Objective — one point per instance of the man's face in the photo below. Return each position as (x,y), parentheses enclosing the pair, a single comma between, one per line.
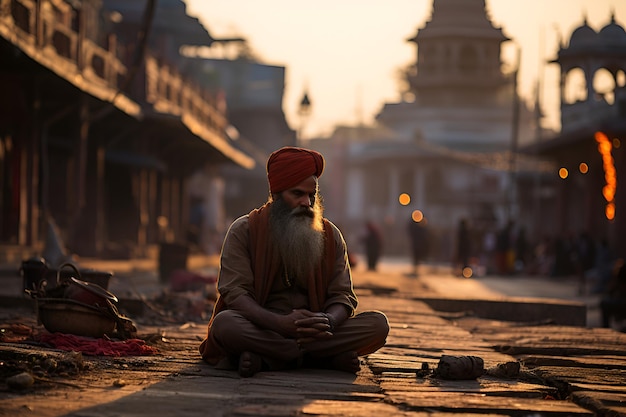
(302,195)
(297,224)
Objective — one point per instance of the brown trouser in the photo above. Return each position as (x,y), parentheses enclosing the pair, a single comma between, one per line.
(364,333)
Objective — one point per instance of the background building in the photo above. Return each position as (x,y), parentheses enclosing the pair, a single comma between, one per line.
(450,145)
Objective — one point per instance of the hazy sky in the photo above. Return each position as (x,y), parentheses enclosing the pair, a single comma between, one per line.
(348,52)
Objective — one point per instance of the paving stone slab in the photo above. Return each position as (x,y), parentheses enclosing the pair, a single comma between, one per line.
(437,401)
(391,383)
(611,362)
(602,403)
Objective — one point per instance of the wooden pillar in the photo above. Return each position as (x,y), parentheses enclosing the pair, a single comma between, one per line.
(144,208)
(34,202)
(152,235)
(165,214)
(81,155)
(98,203)
(175,191)
(76,225)
(22,231)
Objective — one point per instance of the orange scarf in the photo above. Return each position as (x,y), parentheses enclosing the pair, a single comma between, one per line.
(265,264)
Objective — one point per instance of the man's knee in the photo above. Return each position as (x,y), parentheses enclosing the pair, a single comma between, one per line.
(226,324)
(376,328)
(226,317)
(382,324)
(378,317)
(376,322)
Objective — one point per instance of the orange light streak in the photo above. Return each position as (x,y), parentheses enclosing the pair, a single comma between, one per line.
(610,176)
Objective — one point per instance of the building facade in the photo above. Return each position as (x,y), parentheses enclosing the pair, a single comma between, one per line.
(100,130)
(589,150)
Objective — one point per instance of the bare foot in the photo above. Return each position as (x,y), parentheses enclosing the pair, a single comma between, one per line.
(249,364)
(347,362)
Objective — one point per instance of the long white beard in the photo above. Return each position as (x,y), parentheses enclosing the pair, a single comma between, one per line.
(298,235)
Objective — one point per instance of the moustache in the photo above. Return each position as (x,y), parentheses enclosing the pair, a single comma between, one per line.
(303,211)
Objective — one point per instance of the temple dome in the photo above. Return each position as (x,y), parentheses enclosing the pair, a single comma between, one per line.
(612,34)
(583,36)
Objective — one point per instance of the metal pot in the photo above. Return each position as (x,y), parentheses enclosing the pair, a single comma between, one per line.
(73,317)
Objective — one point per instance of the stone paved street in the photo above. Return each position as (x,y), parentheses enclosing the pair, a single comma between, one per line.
(564,369)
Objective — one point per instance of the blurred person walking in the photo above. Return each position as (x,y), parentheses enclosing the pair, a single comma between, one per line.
(373,242)
(604,262)
(419,242)
(521,251)
(463,246)
(585,259)
(613,302)
(504,249)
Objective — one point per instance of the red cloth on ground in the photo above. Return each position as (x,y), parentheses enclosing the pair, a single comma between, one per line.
(289,166)
(96,347)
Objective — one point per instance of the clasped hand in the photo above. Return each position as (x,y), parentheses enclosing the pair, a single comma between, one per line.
(309,326)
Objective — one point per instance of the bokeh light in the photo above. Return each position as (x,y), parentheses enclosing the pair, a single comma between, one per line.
(467,272)
(417,216)
(563,173)
(404,199)
(583,168)
(609,211)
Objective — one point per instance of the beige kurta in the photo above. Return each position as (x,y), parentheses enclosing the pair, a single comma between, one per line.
(236,277)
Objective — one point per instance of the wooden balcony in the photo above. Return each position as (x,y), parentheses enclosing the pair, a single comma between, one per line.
(168,92)
(202,113)
(48,31)
(45,32)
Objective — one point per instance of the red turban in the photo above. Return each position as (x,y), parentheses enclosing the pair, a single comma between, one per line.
(289,166)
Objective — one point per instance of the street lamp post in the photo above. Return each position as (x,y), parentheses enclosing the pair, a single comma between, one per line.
(303,111)
(512,198)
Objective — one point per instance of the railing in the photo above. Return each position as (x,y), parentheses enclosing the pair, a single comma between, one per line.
(168,92)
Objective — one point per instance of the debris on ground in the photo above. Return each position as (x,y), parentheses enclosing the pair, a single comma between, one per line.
(179,307)
(22,359)
(508,370)
(460,367)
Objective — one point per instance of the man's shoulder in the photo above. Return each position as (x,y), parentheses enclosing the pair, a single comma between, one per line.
(240,223)
(331,224)
(336,231)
